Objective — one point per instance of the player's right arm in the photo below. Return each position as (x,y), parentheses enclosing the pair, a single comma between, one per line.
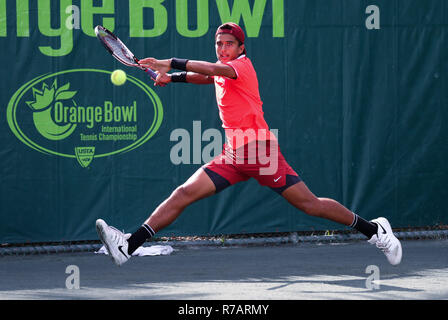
(196,66)
(199,72)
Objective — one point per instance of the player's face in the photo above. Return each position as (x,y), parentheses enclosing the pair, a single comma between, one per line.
(227,47)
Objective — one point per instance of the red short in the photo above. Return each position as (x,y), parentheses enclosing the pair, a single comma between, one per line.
(261,160)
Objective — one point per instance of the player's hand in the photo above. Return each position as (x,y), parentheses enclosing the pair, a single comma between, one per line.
(162,79)
(163,66)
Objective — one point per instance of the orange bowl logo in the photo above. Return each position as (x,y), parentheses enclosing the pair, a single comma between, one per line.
(79,114)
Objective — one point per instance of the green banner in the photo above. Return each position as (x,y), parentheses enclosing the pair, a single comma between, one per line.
(356,90)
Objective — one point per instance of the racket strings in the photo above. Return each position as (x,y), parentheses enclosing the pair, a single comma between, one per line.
(118,49)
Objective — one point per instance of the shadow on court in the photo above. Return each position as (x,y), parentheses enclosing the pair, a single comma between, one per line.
(280,272)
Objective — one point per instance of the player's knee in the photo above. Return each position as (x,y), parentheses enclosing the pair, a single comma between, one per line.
(183,195)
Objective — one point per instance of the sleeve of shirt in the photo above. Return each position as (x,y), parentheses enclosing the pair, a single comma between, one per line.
(239,66)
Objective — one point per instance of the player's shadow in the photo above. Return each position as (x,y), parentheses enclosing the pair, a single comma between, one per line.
(352,283)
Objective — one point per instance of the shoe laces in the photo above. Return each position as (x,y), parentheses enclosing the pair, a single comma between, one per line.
(384,243)
(112,227)
(117,234)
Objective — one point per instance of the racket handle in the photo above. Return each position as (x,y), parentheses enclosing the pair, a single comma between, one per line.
(151,73)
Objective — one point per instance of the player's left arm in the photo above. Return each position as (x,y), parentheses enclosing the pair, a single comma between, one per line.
(201,67)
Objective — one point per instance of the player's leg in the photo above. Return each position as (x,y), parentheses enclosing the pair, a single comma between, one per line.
(378,231)
(212,178)
(208,180)
(303,199)
(198,186)
(286,182)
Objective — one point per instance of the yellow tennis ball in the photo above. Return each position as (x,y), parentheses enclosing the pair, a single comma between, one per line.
(118,77)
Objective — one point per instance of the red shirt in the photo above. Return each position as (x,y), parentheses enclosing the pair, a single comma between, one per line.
(240,106)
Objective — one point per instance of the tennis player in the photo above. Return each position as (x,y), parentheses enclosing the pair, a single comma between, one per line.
(251,150)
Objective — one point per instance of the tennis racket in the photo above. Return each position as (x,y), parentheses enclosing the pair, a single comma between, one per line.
(119,51)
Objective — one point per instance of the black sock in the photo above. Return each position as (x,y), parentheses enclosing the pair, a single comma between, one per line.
(139,237)
(365,227)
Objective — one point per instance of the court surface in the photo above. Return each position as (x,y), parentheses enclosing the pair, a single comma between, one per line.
(277,272)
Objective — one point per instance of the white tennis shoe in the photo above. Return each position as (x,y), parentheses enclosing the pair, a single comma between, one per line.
(115,242)
(387,241)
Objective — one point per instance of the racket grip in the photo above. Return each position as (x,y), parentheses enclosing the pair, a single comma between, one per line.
(151,73)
